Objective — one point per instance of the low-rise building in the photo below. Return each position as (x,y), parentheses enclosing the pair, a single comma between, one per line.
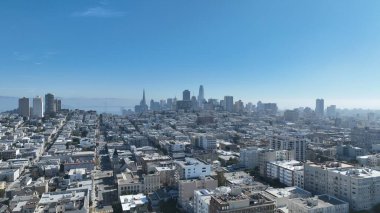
(237,202)
(9,175)
(281,196)
(319,204)
(193,168)
(285,172)
(186,188)
(65,201)
(202,199)
(134,203)
(76,174)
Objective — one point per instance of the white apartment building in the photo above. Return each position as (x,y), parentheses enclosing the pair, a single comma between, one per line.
(173,145)
(134,203)
(268,155)
(193,168)
(359,187)
(285,171)
(299,178)
(249,157)
(202,199)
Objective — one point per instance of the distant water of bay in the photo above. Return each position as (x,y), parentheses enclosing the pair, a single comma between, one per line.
(101,105)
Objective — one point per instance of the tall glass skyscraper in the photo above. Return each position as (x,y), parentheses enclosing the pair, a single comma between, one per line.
(201,95)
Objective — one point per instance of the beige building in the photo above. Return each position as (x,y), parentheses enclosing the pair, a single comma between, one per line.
(130,183)
(167,175)
(186,188)
(146,159)
(150,182)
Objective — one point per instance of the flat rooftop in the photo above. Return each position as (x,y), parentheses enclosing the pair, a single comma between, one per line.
(360,173)
(288,192)
(129,202)
(320,201)
(289,164)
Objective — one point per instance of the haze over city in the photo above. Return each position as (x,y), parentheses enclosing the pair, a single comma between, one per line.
(288,52)
(179,106)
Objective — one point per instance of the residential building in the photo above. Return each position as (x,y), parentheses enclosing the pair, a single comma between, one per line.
(64,201)
(186,188)
(237,202)
(296,142)
(23,107)
(193,168)
(358,186)
(284,171)
(50,107)
(207,142)
(349,152)
(318,204)
(202,199)
(249,157)
(268,155)
(134,203)
(281,196)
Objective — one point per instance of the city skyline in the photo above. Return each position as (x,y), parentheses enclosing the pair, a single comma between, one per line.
(251,50)
(128,103)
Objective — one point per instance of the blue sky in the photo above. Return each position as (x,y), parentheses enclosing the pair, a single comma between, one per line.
(289,52)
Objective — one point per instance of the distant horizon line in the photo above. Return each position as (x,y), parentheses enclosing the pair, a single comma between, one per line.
(135,101)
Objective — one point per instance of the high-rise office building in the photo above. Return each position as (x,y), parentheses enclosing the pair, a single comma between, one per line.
(143,101)
(23,107)
(143,107)
(291,115)
(331,111)
(169,103)
(201,95)
(239,106)
(38,109)
(50,107)
(186,95)
(58,105)
(319,107)
(194,102)
(229,103)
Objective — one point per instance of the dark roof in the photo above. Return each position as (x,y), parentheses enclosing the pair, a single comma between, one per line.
(115,153)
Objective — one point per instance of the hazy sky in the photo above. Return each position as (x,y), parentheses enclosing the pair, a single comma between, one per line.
(289,52)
